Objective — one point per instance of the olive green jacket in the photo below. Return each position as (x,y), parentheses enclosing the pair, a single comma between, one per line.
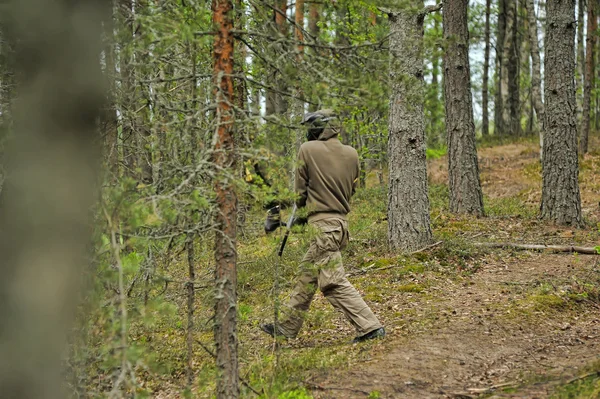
(326,177)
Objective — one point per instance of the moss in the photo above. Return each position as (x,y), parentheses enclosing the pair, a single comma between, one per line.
(544,302)
(410,288)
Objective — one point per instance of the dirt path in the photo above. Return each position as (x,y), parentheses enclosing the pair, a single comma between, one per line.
(493,334)
(477,345)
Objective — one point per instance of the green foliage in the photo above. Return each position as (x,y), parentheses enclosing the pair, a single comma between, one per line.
(436,153)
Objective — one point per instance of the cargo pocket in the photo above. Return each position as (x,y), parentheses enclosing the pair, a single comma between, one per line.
(331,235)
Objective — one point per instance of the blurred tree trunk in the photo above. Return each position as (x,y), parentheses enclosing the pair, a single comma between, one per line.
(536,75)
(499,104)
(408,210)
(485,124)
(561,201)
(463,168)
(226,201)
(588,76)
(50,188)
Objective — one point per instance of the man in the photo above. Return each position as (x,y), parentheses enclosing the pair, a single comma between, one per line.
(325,180)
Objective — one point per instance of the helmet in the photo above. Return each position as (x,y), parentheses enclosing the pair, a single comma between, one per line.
(317,121)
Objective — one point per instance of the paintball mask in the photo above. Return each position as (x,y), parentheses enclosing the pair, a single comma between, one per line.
(316,122)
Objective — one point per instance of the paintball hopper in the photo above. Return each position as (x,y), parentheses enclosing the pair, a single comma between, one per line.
(273,221)
(316,122)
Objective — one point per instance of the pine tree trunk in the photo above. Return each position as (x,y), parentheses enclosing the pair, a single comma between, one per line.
(299,35)
(226,201)
(561,201)
(109,117)
(536,75)
(485,124)
(408,207)
(580,58)
(510,73)
(281,102)
(190,311)
(499,128)
(463,168)
(588,77)
(313,29)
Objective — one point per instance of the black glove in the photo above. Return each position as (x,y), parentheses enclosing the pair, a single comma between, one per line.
(273,221)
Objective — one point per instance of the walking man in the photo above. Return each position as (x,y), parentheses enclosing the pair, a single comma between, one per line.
(325,181)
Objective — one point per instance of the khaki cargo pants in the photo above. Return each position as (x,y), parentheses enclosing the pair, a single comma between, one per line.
(322,267)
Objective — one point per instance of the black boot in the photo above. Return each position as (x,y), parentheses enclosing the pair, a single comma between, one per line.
(378,333)
(269,328)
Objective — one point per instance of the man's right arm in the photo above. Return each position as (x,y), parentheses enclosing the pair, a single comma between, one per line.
(301,183)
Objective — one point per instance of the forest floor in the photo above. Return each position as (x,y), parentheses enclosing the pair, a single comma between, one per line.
(463,320)
(519,325)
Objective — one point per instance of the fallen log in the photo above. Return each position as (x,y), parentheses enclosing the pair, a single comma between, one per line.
(541,247)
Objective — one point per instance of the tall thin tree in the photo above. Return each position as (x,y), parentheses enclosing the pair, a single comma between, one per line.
(463,167)
(588,75)
(580,56)
(500,69)
(536,74)
(226,202)
(485,123)
(561,200)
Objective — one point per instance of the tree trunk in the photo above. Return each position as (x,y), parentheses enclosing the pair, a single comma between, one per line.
(190,311)
(588,77)
(299,104)
(109,117)
(580,58)
(510,73)
(281,102)
(499,128)
(536,75)
(226,201)
(485,124)
(313,29)
(408,207)
(463,168)
(299,20)
(561,201)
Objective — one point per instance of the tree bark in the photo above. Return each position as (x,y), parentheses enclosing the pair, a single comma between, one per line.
(510,73)
(408,202)
(499,105)
(580,58)
(588,76)
(463,168)
(561,201)
(536,74)
(485,123)
(109,117)
(226,202)
(299,20)
(281,102)
(314,16)
(190,311)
